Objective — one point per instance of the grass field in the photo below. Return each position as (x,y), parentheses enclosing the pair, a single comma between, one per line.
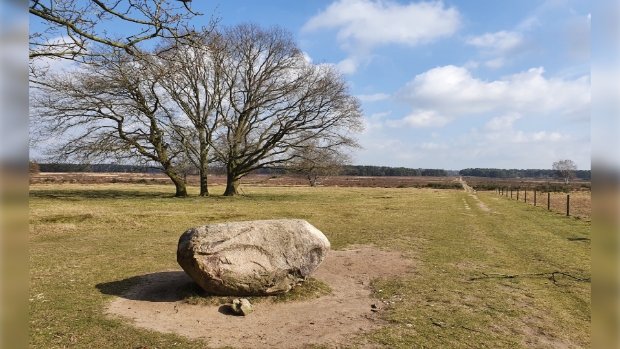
(482,278)
(580,202)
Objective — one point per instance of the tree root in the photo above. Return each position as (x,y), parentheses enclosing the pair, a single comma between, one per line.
(551,276)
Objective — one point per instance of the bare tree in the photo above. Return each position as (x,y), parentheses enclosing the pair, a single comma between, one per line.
(112,107)
(72,28)
(565,169)
(275,101)
(193,82)
(245,97)
(318,163)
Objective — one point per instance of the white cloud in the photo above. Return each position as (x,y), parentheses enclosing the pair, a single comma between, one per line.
(502,122)
(420,118)
(373,97)
(374,122)
(379,116)
(529,23)
(501,41)
(500,130)
(348,65)
(384,22)
(307,57)
(390,144)
(471,65)
(495,63)
(541,136)
(498,143)
(433,146)
(453,91)
(364,24)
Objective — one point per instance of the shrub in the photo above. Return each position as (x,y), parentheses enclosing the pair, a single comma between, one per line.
(445,185)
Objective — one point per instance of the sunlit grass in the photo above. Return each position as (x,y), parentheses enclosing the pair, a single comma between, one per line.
(82,236)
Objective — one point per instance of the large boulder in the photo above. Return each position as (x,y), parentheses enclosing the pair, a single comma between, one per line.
(254,258)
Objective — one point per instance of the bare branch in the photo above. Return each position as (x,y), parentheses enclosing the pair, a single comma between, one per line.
(72,28)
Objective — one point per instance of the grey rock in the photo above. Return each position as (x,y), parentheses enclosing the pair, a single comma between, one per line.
(254,258)
(242,306)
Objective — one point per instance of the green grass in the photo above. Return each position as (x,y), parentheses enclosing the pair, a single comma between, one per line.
(88,243)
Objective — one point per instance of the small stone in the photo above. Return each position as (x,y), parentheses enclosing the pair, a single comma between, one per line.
(242,306)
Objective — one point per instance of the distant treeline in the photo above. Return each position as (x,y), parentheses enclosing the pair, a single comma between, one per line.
(514,173)
(349,170)
(374,171)
(391,171)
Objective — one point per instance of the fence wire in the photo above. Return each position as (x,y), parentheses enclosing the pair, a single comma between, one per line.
(579,202)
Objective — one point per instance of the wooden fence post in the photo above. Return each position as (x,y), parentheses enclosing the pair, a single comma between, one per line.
(511,193)
(534,197)
(548,201)
(568,204)
(517,194)
(526,195)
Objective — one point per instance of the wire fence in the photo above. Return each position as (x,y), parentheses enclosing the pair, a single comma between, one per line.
(576,203)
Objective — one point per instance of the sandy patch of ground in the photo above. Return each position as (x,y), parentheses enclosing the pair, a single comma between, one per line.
(330,320)
(472,193)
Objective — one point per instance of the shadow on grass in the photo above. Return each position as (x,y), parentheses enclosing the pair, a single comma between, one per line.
(173,286)
(154,287)
(73,194)
(89,194)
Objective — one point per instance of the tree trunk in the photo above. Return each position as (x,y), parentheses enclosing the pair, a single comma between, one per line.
(232,183)
(181,190)
(204,189)
(312,179)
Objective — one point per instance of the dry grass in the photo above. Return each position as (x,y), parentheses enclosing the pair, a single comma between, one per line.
(247,181)
(89,243)
(580,202)
(529,183)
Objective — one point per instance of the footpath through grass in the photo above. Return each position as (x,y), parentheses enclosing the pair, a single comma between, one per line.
(89,243)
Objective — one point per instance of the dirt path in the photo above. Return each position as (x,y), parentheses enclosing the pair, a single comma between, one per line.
(330,320)
(472,193)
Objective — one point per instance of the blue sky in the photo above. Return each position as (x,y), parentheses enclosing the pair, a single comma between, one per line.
(451,84)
